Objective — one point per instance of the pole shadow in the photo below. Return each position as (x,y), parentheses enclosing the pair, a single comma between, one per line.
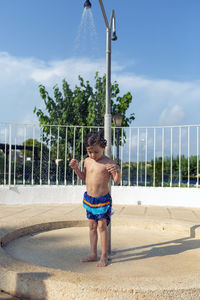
(158,249)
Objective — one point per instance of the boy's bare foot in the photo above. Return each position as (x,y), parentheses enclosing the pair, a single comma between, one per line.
(103,262)
(89,258)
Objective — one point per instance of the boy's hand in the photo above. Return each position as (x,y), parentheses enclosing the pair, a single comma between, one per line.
(73,163)
(112,168)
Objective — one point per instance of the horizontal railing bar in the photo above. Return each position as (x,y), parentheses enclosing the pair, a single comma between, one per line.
(78,126)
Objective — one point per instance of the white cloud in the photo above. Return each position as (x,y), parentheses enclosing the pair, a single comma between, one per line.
(155,101)
(154,98)
(55,71)
(173,115)
(20,77)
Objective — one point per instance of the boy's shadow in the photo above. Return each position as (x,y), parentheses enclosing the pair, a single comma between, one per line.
(157,249)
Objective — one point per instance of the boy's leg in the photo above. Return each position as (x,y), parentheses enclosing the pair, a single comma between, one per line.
(93,241)
(102,224)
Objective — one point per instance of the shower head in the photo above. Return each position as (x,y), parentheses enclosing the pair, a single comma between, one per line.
(87,4)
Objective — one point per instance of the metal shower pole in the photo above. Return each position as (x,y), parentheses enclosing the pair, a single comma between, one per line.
(108,116)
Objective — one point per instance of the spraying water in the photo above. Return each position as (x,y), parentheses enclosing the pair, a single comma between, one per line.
(86,40)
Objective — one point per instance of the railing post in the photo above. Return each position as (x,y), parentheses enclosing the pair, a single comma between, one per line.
(146,156)
(163,151)
(57,159)
(24,158)
(171,159)
(180,134)
(154,157)
(129,159)
(65,170)
(138,150)
(74,152)
(33,157)
(5,156)
(15,162)
(188,157)
(41,155)
(10,154)
(49,159)
(122,148)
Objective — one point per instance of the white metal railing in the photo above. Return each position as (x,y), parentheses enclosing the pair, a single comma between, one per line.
(165,156)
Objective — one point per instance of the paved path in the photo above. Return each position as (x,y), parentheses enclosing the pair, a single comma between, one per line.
(156,253)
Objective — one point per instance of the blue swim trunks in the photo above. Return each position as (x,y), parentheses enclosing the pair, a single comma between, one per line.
(98,208)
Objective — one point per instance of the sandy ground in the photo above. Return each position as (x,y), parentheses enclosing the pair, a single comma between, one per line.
(154,254)
(135,252)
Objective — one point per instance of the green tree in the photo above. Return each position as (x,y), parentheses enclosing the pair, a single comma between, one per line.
(83,106)
(175,169)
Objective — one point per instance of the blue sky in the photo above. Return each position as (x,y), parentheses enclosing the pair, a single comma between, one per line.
(156,56)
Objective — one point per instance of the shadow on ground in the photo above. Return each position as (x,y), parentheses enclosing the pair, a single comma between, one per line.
(172,247)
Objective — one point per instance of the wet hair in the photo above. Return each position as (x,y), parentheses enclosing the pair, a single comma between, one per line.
(95,138)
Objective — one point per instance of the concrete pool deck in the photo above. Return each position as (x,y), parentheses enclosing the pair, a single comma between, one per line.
(156,253)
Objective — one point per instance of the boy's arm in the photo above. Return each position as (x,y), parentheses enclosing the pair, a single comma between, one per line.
(74,165)
(114,170)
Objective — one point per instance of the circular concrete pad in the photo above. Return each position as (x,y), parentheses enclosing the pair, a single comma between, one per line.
(138,255)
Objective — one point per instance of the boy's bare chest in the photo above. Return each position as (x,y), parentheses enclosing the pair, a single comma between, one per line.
(96,169)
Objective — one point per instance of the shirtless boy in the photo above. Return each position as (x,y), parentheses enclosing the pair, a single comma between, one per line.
(96,173)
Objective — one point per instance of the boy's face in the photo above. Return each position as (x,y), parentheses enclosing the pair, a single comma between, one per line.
(95,152)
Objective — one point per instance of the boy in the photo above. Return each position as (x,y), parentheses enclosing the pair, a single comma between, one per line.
(96,173)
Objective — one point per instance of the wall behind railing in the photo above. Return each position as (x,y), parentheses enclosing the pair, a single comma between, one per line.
(123,195)
(148,156)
